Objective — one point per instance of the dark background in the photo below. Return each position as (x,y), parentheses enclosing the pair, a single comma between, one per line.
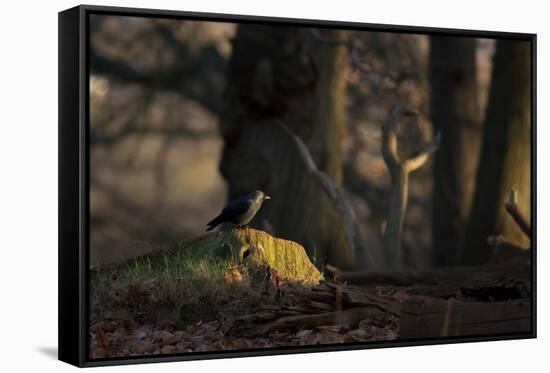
(182,120)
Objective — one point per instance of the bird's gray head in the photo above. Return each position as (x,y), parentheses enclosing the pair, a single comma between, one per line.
(259,196)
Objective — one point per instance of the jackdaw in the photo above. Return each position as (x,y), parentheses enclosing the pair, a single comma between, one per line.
(241,211)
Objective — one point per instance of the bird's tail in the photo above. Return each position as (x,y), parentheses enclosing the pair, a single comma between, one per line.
(213,224)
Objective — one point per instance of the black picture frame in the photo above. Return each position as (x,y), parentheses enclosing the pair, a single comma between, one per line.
(74,171)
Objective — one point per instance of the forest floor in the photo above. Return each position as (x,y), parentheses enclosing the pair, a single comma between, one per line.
(116,338)
(180,303)
(209,305)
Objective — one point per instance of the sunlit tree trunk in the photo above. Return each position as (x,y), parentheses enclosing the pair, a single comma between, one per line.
(455,113)
(506,151)
(285,74)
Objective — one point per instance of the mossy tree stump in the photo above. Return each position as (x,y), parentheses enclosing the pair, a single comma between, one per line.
(256,249)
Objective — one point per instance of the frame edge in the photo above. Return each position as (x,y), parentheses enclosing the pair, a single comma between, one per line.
(69,268)
(72,114)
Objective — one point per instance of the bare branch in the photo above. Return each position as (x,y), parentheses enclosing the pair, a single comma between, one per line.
(512,207)
(389,136)
(389,139)
(302,148)
(336,195)
(180,78)
(418,161)
(399,172)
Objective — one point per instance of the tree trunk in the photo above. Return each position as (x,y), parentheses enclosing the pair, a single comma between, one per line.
(506,152)
(282,73)
(455,112)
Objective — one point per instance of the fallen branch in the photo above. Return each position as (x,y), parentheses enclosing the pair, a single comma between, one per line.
(348,318)
(325,304)
(332,303)
(497,279)
(396,278)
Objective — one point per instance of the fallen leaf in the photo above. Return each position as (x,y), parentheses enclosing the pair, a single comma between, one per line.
(303,333)
(167,349)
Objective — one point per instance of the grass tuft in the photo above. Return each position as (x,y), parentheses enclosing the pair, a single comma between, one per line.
(178,289)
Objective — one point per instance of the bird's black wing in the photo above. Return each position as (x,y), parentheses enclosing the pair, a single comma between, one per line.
(234,209)
(237,207)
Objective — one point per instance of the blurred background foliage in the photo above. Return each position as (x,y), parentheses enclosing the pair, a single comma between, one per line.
(159,122)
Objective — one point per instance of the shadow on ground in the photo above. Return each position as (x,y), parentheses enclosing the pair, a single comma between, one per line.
(50,352)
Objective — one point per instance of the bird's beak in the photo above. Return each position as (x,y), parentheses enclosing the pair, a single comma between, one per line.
(267,197)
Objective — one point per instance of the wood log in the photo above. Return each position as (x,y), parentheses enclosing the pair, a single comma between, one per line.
(438,279)
(341,305)
(387,277)
(349,318)
(426,317)
(357,297)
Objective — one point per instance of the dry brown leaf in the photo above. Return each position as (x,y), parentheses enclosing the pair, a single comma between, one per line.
(303,333)
(144,347)
(140,334)
(203,348)
(103,343)
(96,326)
(233,275)
(359,335)
(164,335)
(167,349)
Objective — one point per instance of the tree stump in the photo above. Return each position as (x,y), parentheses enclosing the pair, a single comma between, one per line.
(256,249)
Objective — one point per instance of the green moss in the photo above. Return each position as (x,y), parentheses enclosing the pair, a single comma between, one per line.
(255,248)
(193,281)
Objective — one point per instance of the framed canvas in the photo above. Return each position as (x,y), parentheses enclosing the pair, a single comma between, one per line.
(238,186)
